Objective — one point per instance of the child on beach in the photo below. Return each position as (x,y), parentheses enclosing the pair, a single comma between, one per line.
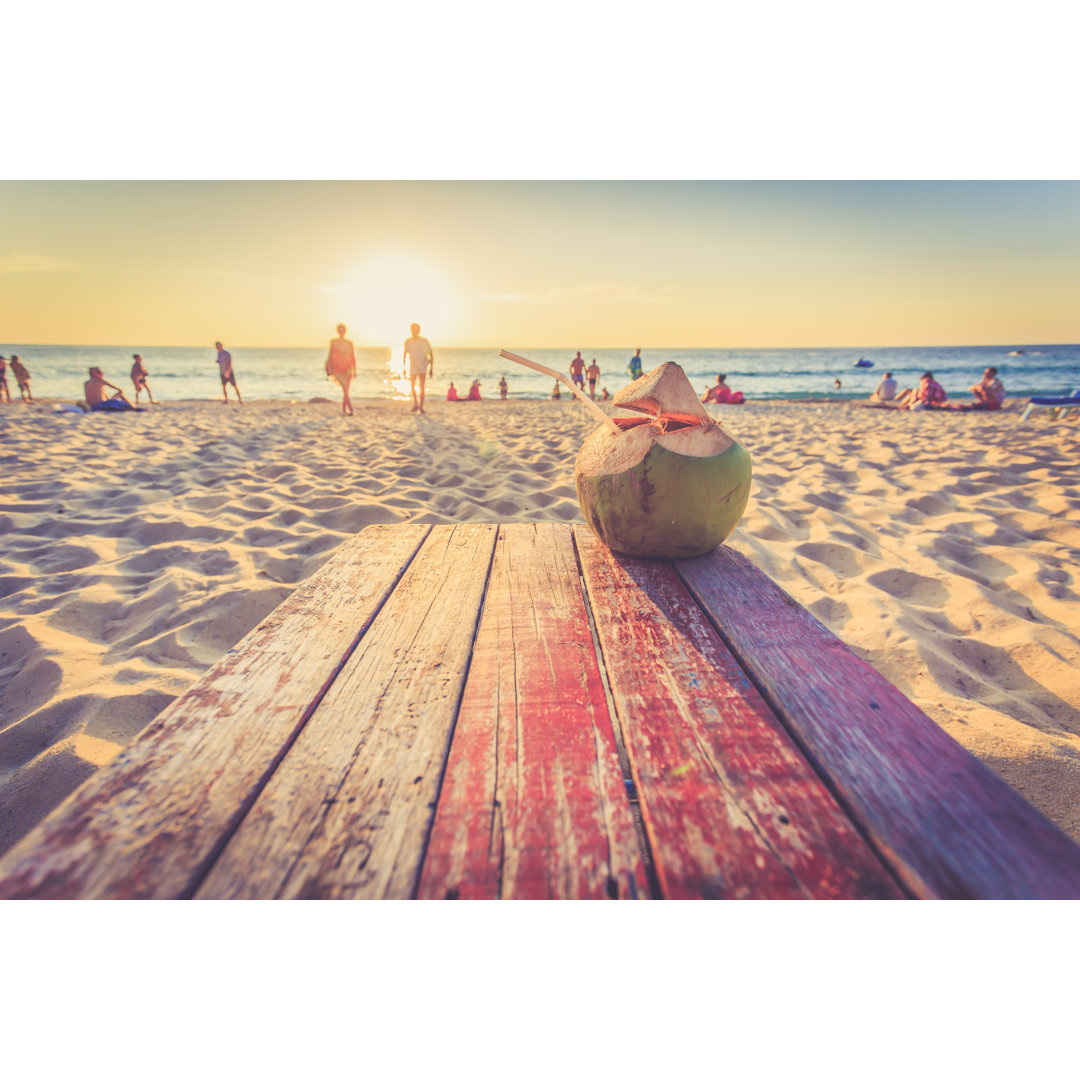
(22,377)
(451,394)
(635,365)
(139,376)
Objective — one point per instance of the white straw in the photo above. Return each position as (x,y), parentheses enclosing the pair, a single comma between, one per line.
(563,379)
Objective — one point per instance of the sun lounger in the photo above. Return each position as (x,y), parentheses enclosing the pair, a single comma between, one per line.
(513,711)
(1063,405)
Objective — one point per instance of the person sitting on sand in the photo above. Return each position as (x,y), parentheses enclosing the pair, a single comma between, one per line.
(927,395)
(5,393)
(419,364)
(722,394)
(451,394)
(502,388)
(341,366)
(139,375)
(604,395)
(556,394)
(474,391)
(989,393)
(22,377)
(592,373)
(577,372)
(96,399)
(225,369)
(886,389)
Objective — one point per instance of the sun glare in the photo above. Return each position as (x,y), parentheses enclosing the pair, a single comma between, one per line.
(393,291)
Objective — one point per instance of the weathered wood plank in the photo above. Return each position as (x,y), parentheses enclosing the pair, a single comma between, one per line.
(347,813)
(949,827)
(533,804)
(148,823)
(731,807)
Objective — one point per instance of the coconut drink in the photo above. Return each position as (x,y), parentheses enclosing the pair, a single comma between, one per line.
(668,483)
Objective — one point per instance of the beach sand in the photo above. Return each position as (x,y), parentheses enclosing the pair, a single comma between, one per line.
(136,549)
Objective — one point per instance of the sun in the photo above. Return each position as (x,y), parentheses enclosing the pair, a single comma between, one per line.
(390,292)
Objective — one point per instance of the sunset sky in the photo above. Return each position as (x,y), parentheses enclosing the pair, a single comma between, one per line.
(566,264)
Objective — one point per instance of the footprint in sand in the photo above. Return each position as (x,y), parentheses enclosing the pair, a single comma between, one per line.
(912,588)
(837,557)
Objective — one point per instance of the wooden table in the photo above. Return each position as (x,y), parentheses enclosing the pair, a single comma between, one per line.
(512,711)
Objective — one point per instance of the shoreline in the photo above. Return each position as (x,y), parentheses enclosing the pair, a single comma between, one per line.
(941,547)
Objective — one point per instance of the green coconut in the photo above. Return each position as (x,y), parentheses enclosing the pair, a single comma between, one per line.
(671,484)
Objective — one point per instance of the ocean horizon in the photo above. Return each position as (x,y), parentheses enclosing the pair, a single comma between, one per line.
(178,373)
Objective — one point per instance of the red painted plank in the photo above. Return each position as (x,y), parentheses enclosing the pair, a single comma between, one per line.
(949,827)
(533,804)
(732,809)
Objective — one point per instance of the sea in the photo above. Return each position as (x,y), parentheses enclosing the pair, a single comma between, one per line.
(179,373)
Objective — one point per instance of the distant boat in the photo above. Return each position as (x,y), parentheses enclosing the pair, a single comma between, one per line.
(864,363)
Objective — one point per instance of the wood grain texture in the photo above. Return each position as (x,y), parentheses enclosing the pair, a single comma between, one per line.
(347,813)
(147,824)
(949,827)
(731,807)
(533,804)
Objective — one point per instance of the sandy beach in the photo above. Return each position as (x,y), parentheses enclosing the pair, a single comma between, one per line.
(137,549)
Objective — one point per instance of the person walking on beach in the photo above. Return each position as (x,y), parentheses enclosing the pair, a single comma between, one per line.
(419,363)
(577,372)
(635,365)
(989,393)
(22,377)
(592,373)
(5,393)
(139,375)
(341,365)
(94,392)
(886,389)
(225,367)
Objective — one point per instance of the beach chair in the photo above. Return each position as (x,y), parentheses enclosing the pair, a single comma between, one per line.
(1058,406)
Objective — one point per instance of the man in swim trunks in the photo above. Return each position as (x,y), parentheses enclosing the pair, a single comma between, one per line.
(94,391)
(22,377)
(224,360)
(138,378)
(635,365)
(419,362)
(989,392)
(5,393)
(341,365)
(593,373)
(577,372)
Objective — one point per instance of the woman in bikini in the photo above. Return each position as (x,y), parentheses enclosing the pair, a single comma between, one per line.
(341,365)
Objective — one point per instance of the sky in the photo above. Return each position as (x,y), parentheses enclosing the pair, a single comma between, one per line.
(578,264)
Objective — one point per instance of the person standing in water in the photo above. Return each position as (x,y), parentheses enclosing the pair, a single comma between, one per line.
(577,372)
(635,365)
(593,373)
(225,367)
(419,364)
(5,393)
(139,375)
(341,366)
(22,377)
(502,388)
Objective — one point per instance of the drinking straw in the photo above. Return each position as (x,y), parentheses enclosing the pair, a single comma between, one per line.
(566,382)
